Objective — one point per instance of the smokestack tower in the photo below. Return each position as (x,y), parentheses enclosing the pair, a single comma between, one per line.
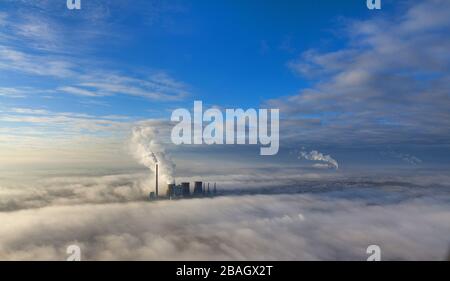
(156,181)
(156,173)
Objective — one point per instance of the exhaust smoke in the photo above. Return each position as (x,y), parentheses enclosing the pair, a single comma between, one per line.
(147,148)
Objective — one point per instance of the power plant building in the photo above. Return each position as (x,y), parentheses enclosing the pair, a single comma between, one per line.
(179,191)
(186,189)
(198,188)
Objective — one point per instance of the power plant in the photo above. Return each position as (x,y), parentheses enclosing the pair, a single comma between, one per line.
(182,190)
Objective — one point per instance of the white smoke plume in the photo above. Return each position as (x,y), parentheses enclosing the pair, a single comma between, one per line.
(314,155)
(147,147)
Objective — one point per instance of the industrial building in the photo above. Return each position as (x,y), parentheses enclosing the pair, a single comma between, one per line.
(178,191)
(182,190)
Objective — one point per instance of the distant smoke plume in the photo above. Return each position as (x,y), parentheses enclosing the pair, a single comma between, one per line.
(314,155)
(147,148)
(410,159)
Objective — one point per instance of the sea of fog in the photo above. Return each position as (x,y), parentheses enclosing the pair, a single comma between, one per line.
(254,216)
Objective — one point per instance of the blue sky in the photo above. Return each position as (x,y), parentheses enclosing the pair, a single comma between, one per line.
(227,52)
(346,79)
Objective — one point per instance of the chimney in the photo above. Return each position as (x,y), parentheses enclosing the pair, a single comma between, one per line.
(156,182)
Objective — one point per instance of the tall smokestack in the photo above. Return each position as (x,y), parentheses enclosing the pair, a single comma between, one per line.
(155,160)
(156,182)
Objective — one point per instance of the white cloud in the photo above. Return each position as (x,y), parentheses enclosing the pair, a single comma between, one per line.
(79,91)
(37,44)
(40,135)
(389,84)
(30,111)
(13,92)
(157,86)
(12,59)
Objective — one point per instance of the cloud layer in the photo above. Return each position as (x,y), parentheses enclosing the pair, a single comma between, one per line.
(388,84)
(287,227)
(322,219)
